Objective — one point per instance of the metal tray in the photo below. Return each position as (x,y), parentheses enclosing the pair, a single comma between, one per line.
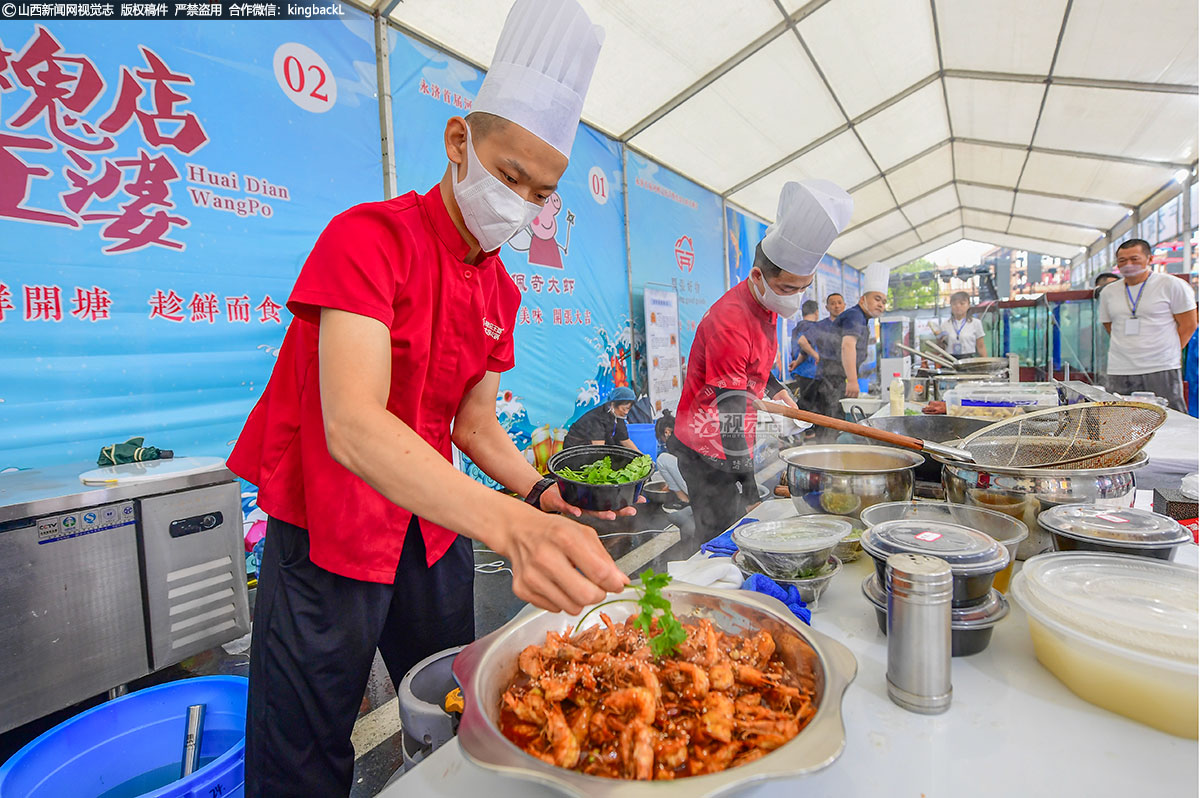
(485,668)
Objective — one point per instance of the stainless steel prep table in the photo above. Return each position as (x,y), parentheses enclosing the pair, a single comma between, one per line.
(100,585)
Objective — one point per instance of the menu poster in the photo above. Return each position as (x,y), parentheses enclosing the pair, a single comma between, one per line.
(663,366)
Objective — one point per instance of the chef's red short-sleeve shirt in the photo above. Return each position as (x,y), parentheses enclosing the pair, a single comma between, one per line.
(399,262)
(734,349)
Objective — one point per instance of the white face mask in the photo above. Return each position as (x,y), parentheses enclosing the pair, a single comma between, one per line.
(1131,269)
(786,306)
(492,211)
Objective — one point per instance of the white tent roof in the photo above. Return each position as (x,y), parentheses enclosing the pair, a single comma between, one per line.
(1034,124)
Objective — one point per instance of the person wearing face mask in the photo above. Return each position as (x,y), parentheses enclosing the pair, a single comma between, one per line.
(404,321)
(604,425)
(734,350)
(1150,318)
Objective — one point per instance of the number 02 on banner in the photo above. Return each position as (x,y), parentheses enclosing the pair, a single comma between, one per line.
(305,77)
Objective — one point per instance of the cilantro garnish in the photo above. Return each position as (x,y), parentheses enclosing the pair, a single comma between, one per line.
(654,609)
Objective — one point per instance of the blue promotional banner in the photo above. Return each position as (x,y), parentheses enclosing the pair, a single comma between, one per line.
(160,187)
(851,284)
(572,336)
(674,239)
(742,235)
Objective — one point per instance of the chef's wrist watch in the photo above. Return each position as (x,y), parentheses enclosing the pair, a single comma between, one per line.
(535,493)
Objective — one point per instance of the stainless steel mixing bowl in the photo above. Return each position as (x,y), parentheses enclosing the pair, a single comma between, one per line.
(844,479)
(485,668)
(1024,493)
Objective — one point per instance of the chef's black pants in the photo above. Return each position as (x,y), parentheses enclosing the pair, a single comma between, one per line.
(718,497)
(313,642)
(828,397)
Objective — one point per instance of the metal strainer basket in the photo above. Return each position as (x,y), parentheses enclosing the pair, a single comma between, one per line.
(1086,435)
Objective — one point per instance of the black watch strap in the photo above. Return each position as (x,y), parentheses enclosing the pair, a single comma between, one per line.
(535,494)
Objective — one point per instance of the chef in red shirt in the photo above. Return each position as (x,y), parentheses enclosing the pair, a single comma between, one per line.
(730,363)
(404,321)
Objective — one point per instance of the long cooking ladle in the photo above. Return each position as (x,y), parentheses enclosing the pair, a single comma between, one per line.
(941,361)
(904,441)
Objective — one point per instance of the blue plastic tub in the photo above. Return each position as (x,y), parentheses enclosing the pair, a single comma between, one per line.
(133,746)
(642,436)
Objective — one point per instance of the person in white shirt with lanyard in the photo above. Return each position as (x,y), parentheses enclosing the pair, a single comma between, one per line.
(960,334)
(1150,318)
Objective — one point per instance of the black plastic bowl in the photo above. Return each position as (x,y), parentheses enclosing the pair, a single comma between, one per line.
(596,497)
(968,590)
(963,642)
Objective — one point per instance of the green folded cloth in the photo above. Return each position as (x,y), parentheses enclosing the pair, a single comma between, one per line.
(131,451)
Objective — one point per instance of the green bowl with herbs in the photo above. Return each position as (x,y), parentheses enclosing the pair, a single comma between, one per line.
(600,477)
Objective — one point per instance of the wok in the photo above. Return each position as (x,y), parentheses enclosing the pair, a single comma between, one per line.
(939,429)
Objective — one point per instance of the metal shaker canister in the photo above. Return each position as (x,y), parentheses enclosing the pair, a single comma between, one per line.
(919,590)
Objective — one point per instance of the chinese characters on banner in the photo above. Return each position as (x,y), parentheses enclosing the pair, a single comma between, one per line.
(160,187)
(674,239)
(128,198)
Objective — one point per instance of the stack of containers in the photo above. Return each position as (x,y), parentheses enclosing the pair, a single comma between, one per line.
(974,560)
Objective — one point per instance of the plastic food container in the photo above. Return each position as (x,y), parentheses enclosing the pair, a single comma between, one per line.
(1090,527)
(1121,632)
(596,497)
(974,558)
(849,548)
(970,627)
(1002,528)
(810,588)
(784,548)
(998,401)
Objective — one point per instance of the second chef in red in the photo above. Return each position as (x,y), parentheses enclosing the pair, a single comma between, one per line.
(733,353)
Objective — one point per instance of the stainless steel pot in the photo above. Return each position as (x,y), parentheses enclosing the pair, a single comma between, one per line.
(485,668)
(1024,493)
(844,479)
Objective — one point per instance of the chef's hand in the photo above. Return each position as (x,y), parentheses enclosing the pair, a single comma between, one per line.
(558,564)
(851,388)
(553,502)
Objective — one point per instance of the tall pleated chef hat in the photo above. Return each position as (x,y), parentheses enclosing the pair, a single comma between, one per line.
(541,69)
(811,214)
(875,278)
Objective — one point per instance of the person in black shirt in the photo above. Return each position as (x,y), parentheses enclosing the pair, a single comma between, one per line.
(604,425)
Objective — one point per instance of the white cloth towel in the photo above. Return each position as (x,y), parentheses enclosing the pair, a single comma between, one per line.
(705,571)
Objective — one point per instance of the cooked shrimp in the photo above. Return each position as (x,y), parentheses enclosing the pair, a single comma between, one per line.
(638,700)
(720,676)
(717,720)
(530,708)
(530,661)
(689,679)
(557,686)
(637,750)
(671,752)
(564,747)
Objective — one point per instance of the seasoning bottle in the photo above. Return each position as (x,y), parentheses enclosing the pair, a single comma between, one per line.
(919,590)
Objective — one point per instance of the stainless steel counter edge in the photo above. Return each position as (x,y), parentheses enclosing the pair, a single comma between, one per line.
(59,490)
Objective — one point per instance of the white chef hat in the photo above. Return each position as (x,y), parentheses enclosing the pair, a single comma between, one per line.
(875,278)
(541,69)
(811,214)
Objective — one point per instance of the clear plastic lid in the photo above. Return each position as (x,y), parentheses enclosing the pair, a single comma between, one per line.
(1134,605)
(967,551)
(1114,527)
(987,613)
(791,535)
